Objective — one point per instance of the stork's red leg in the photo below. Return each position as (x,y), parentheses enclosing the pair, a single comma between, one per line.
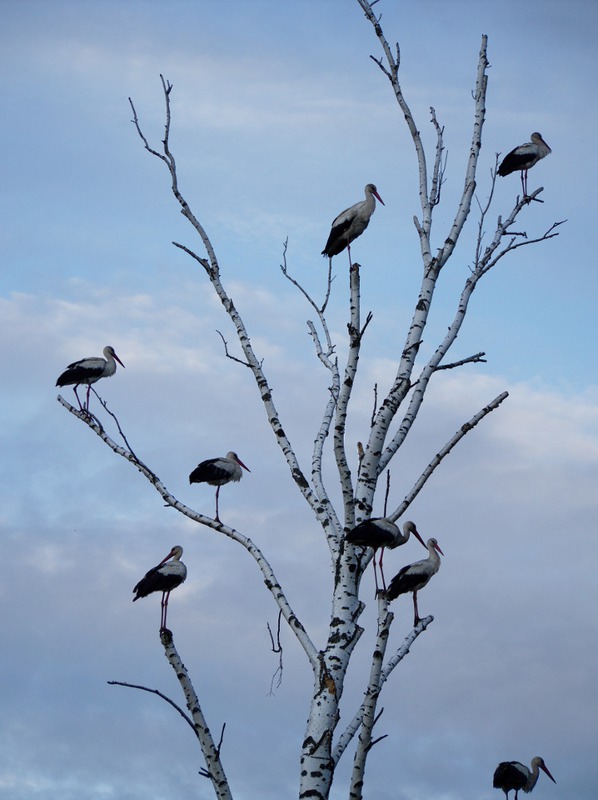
(166,607)
(349,251)
(415,611)
(78,398)
(165,596)
(217,493)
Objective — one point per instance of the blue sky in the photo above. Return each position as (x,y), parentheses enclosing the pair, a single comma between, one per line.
(279,119)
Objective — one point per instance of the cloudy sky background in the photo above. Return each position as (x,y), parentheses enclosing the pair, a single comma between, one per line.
(279,119)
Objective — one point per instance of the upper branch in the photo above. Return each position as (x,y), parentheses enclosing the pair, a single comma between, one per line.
(392,73)
(372,464)
(213,272)
(355,336)
(474,151)
(169,160)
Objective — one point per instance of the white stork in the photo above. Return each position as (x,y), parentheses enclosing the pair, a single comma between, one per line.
(513,775)
(163,578)
(524,157)
(414,577)
(379,533)
(351,223)
(218,471)
(88,371)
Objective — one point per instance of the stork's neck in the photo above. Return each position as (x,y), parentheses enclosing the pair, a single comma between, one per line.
(534,775)
(434,557)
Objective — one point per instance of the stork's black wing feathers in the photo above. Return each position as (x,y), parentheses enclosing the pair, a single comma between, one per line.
(155,581)
(336,241)
(508,776)
(403,582)
(517,159)
(208,471)
(368,534)
(77,374)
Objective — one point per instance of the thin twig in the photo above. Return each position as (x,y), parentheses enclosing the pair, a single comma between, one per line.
(185,716)
(276,648)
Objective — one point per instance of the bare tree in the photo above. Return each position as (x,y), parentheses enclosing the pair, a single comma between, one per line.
(358,473)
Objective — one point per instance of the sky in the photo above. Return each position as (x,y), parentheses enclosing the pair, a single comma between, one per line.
(280,118)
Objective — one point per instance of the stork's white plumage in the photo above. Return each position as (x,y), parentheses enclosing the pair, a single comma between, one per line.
(165,577)
(524,157)
(414,577)
(88,371)
(514,775)
(379,533)
(351,223)
(218,471)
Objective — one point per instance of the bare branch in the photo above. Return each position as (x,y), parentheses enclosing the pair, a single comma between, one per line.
(444,451)
(228,354)
(487,263)
(276,648)
(203,261)
(285,271)
(478,358)
(355,723)
(387,492)
(372,693)
(187,719)
(345,391)
(439,163)
(211,752)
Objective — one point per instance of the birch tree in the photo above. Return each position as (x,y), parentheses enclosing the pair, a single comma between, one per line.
(360,470)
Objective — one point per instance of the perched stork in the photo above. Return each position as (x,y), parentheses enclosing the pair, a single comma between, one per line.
(163,578)
(218,471)
(513,775)
(351,223)
(414,577)
(88,371)
(379,533)
(523,158)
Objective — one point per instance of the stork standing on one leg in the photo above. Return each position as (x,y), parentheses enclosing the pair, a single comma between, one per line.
(163,578)
(379,533)
(218,471)
(513,775)
(523,158)
(414,577)
(88,371)
(351,223)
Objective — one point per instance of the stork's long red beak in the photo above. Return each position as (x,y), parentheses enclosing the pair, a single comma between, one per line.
(377,196)
(241,464)
(116,358)
(545,768)
(437,547)
(418,537)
